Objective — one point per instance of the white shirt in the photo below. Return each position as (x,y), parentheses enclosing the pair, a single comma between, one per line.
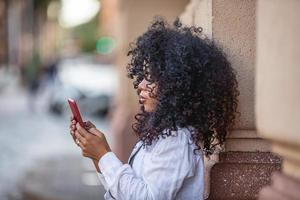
(168,169)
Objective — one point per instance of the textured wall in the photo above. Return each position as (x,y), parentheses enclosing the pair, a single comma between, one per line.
(199,13)
(232,23)
(278,79)
(234,28)
(278,93)
(238,171)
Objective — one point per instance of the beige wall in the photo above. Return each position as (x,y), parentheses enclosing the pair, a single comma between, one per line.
(278,79)
(232,23)
(3,33)
(234,28)
(235,24)
(262,41)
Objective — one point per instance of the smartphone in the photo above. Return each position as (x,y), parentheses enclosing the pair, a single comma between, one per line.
(75,111)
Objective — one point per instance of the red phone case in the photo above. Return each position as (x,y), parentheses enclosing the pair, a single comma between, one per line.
(75,111)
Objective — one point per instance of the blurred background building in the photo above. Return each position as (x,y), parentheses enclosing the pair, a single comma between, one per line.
(54,49)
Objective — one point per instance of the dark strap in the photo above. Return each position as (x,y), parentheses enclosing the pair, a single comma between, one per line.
(133,156)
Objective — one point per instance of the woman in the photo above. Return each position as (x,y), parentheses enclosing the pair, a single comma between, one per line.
(188,96)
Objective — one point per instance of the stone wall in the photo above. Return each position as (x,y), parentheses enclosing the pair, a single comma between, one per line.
(261,41)
(277,91)
(246,165)
(3,33)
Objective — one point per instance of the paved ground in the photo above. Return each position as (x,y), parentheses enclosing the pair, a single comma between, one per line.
(38,158)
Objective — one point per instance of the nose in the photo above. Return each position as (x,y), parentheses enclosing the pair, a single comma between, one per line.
(142,85)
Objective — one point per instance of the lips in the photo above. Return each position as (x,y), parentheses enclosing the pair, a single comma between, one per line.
(142,99)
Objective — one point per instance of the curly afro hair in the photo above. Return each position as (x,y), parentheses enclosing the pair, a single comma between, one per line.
(196,85)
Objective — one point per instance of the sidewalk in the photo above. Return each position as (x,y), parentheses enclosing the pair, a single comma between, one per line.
(38,157)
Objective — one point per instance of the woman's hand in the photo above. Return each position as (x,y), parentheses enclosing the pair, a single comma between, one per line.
(88,125)
(91,141)
(73,129)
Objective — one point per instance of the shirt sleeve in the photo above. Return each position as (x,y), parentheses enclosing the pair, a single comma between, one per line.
(102,180)
(164,172)
(107,195)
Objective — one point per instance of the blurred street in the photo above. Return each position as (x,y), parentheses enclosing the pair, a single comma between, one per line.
(38,156)
(52,50)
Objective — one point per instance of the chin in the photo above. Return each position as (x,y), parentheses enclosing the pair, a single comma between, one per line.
(148,108)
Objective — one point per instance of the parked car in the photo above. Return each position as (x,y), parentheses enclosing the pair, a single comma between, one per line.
(93,85)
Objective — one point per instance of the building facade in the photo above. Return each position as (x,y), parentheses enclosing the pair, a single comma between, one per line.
(261,47)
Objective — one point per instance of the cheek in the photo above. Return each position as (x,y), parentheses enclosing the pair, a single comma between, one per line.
(150,104)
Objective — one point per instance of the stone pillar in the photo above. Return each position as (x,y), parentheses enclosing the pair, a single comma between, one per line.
(3,33)
(245,166)
(277,91)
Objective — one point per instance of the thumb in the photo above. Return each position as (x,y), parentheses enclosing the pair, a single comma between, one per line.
(95,131)
(89,125)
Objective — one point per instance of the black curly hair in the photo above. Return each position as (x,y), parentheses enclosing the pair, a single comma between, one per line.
(196,85)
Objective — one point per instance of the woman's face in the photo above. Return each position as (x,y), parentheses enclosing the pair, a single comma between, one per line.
(145,90)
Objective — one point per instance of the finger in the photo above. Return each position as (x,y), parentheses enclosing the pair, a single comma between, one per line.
(73,134)
(80,145)
(72,127)
(76,141)
(74,121)
(89,124)
(96,132)
(81,130)
(79,137)
(74,137)
(71,118)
